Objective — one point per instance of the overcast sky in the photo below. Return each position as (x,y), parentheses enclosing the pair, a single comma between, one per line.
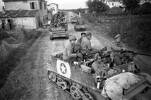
(69,4)
(1,3)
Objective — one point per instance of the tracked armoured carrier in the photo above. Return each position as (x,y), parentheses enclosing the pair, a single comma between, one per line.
(80,26)
(74,20)
(58,32)
(81,85)
(59,26)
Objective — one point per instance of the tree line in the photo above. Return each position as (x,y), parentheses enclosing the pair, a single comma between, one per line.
(130,6)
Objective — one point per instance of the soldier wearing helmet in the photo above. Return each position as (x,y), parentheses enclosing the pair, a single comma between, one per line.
(69,53)
(86,46)
(86,43)
(80,39)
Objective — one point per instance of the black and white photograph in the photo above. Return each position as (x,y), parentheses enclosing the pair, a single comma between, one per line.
(75,49)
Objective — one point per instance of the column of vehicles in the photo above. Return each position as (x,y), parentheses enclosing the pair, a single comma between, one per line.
(83,82)
(80,26)
(58,26)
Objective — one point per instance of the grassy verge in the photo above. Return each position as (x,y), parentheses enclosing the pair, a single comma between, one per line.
(135,31)
(13,59)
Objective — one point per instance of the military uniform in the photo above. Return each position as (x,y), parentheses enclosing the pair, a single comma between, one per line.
(86,44)
(70,53)
(86,48)
(79,40)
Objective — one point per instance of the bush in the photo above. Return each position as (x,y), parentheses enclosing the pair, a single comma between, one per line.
(96,6)
(31,34)
(135,32)
(145,8)
(90,18)
(130,5)
(3,35)
(10,41)
(115,11)
(14,85)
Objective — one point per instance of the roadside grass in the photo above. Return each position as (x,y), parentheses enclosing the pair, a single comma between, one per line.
(11,61)
(18,80)
(135,31)
(6,68)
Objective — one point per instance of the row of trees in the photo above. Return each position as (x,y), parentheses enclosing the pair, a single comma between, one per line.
(97,6)
(130,5)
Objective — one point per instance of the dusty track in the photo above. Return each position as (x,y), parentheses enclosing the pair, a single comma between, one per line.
(31,73)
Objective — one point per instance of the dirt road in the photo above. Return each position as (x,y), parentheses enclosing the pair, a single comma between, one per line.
(58,46)
(35,63)
(47,49)
(28,81)
(31,82)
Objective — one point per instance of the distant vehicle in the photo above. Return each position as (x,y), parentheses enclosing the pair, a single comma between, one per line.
(74,20)
(80,28)
(46,25)
(81,85)
(58,32)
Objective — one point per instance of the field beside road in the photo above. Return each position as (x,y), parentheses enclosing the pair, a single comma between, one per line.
(28,80)
(134,29)
(13,48)
(103,33)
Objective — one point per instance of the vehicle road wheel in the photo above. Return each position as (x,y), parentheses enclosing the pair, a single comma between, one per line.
(76,95)
(73,88)
(62,84)
(51,38)
(88,95)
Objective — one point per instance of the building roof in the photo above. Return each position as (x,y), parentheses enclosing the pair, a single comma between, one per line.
(18,13)
(19,0)
(13,0)
(113,0)
(53,4)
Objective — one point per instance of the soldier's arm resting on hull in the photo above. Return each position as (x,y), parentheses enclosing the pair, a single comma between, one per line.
(86,44)
(70,54)
(89,45)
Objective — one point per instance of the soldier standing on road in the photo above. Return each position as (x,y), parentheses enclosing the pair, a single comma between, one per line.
(69,53)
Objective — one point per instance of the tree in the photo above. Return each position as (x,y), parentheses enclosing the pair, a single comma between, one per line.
(130,5)
(96,6)
(89,4)
(145,8)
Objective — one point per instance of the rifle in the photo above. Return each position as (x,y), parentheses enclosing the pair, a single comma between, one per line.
(133,52)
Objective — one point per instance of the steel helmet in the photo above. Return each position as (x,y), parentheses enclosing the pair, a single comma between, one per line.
(72,38)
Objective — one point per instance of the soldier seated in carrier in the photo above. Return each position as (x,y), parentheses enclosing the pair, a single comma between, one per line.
(70,53)
(80,39)
(87,50)
(77,50)
(86,45)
